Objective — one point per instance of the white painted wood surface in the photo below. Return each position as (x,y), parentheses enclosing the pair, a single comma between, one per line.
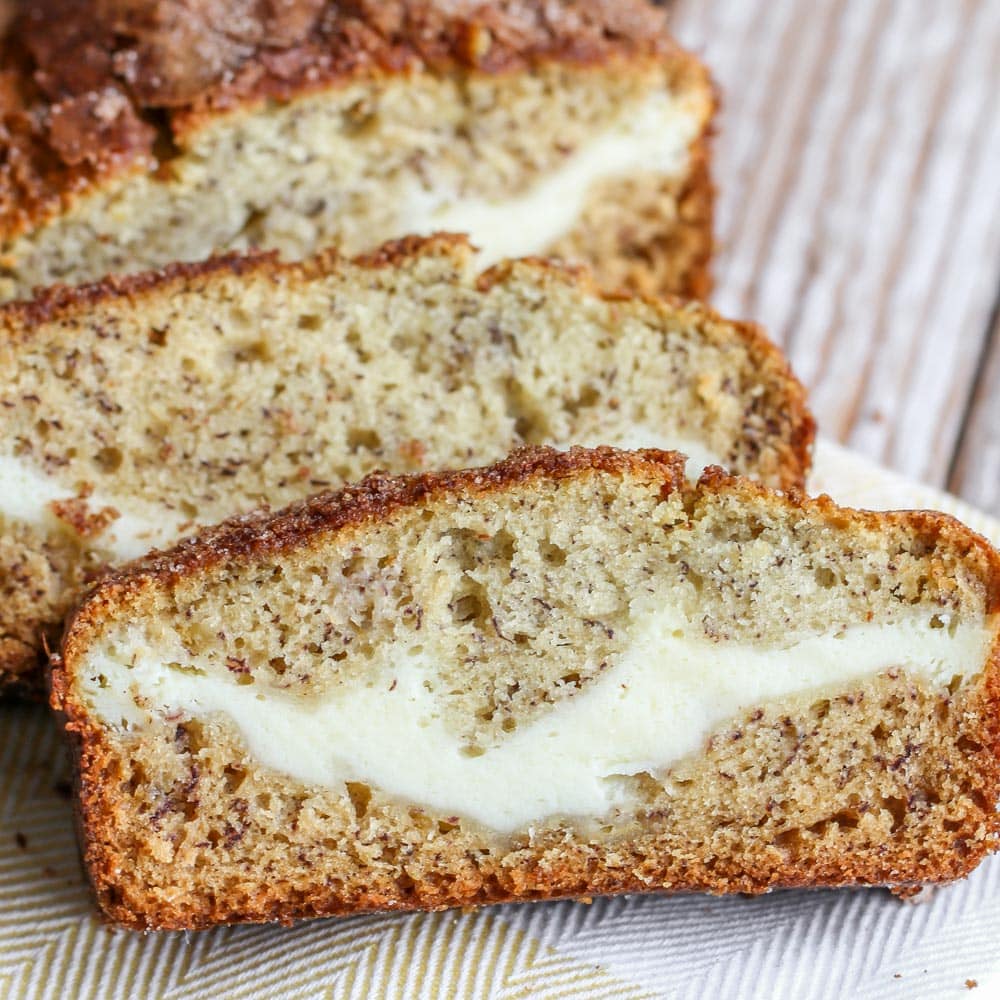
(976,472)
(858,166)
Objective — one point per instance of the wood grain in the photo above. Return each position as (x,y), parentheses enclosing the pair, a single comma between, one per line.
(857,161)
(976,471)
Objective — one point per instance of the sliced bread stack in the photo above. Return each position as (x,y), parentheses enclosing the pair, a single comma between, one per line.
(136,410)
(559,673)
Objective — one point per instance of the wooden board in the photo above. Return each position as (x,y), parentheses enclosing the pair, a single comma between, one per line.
(976,471)
(858,162)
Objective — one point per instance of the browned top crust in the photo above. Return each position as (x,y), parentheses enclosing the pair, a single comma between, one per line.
(19,318)
(90,88)
(54,301)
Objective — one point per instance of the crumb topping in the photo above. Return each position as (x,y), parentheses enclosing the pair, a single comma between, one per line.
(89,90)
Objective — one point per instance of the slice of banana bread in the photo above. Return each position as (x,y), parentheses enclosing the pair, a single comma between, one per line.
(134,410)
(570,673)
(139,134)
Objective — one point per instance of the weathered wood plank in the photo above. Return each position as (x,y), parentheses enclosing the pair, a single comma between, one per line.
(859,210)
(976,472)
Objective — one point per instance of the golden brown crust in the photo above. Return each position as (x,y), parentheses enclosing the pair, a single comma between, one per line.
(577,874)
(681,259)
(17,319)
(689,248)
(90,91)
(207,52)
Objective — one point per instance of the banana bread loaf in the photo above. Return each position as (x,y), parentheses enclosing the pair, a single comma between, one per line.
(136,134)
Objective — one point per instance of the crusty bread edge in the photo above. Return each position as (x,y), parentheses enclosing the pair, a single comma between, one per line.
(377,497)
(697,201)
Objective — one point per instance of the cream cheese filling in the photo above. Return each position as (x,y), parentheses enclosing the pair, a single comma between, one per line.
(26,495)
(670,689)
(652,136)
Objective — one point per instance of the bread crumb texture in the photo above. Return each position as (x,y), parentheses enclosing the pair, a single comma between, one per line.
(189,395)
(523,579)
